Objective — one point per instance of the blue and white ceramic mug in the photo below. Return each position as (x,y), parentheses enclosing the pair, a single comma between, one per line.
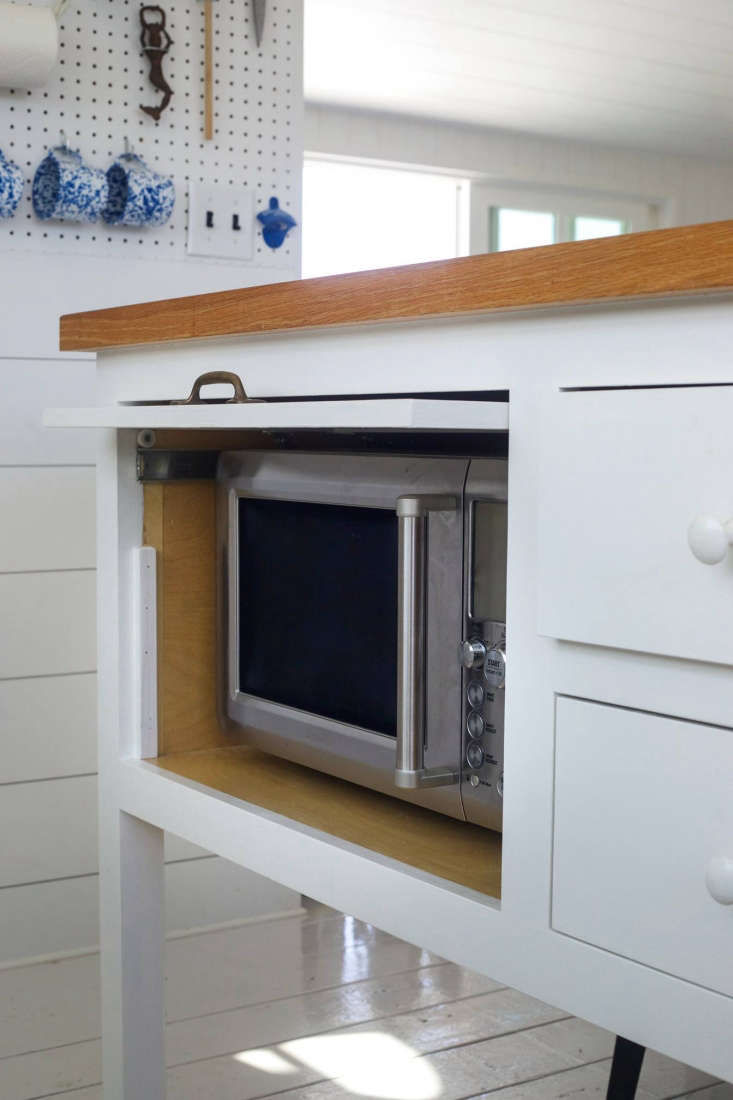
(137,195)
(11,186)
(67,189)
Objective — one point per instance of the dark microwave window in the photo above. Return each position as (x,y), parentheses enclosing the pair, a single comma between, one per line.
(318,609)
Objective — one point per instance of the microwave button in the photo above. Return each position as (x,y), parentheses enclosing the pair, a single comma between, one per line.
(474,755)
(471,653)
(474,724)
(495,667)
(475,694)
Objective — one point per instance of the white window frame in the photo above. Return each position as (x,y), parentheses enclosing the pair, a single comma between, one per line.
(636,214)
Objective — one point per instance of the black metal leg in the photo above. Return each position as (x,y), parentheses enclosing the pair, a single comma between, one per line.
(625,1069)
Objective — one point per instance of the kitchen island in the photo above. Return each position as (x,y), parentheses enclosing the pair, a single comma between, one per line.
(611,891)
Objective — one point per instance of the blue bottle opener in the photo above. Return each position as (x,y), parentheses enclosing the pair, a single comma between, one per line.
(276,224)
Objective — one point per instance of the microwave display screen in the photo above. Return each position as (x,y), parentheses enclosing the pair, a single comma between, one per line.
(489,553)
(318,609)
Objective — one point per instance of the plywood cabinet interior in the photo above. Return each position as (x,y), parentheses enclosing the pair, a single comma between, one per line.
(180,522)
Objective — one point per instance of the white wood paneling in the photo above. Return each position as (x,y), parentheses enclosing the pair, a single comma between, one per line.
(601,71)
(27,386)
(687,189)
(437,1025)
(48,918)
(61,916)
(48,727)
(642,804)
(47,830)
(47,624)
(48,518)
(57,822)
(205,892)
(39,1073)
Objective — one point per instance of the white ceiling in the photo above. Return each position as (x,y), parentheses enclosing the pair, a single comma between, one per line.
(651,73)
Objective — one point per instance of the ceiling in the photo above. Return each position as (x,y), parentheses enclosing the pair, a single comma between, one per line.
(657,74)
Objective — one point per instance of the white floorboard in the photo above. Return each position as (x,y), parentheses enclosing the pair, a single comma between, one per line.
(319,1007)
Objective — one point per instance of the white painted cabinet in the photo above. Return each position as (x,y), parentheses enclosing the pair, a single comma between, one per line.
(643,816)
(617,803)
(623,474)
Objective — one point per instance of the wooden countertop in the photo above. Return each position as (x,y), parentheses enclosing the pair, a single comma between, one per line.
(692,260)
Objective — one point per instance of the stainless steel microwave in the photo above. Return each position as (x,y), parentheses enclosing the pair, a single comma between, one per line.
(362,611)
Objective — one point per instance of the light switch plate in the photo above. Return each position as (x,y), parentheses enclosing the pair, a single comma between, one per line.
(214,211)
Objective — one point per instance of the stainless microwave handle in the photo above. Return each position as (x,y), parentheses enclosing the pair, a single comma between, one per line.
(412,520)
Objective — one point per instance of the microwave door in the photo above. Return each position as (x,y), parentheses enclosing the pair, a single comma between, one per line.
(317,607)
(317,587)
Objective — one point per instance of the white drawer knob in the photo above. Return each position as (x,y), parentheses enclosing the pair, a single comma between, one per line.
(719,879)
(709,539)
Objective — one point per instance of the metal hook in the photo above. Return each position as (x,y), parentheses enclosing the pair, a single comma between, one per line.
(128,147)
(62,134)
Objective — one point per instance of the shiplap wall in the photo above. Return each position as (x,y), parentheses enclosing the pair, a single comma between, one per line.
(48,860)
(48,855)
(686,189)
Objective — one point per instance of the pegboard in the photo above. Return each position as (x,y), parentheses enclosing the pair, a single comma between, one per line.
(94,96)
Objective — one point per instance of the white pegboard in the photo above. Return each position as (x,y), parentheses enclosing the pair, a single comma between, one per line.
(95,93)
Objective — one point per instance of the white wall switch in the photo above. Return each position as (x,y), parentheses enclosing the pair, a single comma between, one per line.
(221,221)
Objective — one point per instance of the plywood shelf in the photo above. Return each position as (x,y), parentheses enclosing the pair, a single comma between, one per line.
(454,850)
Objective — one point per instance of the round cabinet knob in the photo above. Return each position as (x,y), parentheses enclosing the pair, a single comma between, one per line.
(471,653)
(719,879)
(709,539)
(495,668)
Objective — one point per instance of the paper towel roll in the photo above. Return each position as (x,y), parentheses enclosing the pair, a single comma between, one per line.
(29,45)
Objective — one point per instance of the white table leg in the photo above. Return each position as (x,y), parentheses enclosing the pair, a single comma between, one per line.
(132,938)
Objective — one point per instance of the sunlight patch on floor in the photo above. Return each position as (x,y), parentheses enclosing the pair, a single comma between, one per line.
(367,1064)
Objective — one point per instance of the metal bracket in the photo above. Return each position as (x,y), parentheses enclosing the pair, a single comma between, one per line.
(176,465)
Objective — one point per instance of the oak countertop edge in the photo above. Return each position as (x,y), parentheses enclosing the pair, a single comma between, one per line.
(691,260)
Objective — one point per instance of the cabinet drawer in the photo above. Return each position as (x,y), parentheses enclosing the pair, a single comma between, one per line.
(624,472)
(643,822)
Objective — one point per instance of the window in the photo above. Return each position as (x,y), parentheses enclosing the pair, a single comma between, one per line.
(361,216)
(510,228)
(504,218)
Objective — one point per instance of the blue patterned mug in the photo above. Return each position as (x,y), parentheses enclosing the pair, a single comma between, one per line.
(66,188)
(11,186)
(137,195)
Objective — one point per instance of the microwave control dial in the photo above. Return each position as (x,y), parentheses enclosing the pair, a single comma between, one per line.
(475,694)
(472,653)
(474,724)
(474,755)
(495,667)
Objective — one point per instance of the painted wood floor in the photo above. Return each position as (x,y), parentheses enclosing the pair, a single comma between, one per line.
(318,1007)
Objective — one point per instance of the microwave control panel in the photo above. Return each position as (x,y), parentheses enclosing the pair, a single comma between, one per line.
(483,657)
